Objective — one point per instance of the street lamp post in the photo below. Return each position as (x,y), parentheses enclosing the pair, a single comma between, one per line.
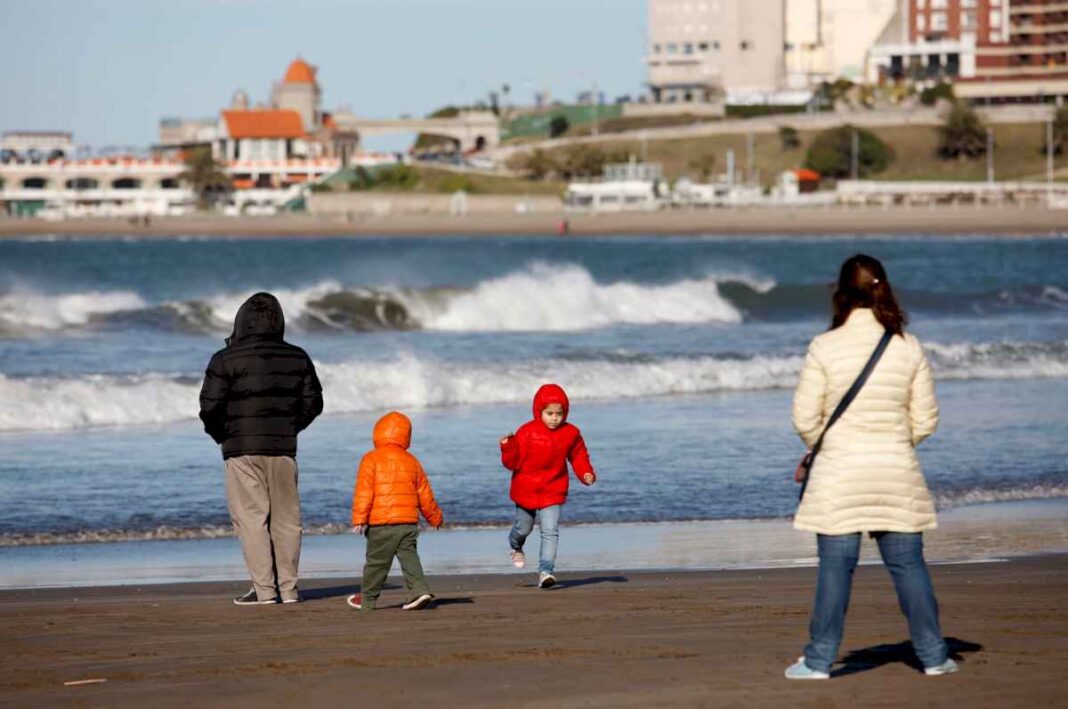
(1049,160)
(854,160)
(989,155)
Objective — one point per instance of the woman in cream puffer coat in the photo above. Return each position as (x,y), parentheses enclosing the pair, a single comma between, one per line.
(866,477)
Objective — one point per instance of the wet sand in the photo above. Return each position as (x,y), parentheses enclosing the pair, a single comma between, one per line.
(1023,221)
(599,639)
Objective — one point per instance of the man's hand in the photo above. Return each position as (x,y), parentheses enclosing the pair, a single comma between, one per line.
(359,528)
(588,478)
(505,439)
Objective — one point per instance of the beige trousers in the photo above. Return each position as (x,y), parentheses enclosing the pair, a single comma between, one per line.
(261,492)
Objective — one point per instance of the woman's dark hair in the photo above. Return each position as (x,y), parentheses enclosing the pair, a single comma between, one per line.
(862,283)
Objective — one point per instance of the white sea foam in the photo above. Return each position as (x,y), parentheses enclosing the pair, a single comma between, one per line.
(26,310)
(566,297)
(411,382)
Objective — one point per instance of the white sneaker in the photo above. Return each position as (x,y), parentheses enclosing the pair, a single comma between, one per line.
(946,668)
(799,670)
(422,602)
(546,580)
(518,558)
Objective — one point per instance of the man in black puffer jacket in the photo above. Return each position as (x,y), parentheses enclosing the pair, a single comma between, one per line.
(259,392)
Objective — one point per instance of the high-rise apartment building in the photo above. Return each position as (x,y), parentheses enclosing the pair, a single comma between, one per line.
(1014,50)
(701,49)
(830,39)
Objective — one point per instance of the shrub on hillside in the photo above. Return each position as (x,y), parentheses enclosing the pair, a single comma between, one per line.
(456,183)
(789,138)
(963,134)
(831,153)
(930,95)
(397,177)
(558,125)
(1060,132)
(536,165)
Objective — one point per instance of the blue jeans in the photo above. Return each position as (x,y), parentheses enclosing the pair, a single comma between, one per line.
(550,533)
(903,556)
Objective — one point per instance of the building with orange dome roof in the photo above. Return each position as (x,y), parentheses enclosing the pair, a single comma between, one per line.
(299,91)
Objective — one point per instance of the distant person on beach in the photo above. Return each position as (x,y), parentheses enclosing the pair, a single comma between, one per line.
(259,392)
(537,454)
(391,490)
(866,477)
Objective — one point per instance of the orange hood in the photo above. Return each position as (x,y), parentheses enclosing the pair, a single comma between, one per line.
(393,429)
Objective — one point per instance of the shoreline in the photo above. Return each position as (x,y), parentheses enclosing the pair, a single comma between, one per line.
(966,534)
(747,222)
(616,638)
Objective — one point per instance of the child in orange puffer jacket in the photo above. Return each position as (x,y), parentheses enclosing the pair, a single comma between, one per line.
(391,491)
(537,454)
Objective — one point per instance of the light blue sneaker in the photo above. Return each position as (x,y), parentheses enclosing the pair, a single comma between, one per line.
(946,668)
(799,670)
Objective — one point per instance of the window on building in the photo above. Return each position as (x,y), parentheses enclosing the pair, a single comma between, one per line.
(921,23)
(995,18)
(967,3)
(939,4)
(672,48)
(687,48)
(953,64)
(939,21)
(921,4)
(656,49)
(715,45)
(745,44)
(703,46)
(969,21)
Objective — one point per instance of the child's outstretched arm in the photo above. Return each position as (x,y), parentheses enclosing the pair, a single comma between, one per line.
(511,454)
(427,504)
(580,462)
(364,493)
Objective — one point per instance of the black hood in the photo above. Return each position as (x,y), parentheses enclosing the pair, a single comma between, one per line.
(260,316)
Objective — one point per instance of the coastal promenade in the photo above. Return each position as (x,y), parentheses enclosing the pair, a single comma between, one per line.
(599,639)
(947,219)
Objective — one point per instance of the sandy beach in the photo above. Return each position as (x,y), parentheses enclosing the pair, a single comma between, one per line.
(602,638)
(1030,221)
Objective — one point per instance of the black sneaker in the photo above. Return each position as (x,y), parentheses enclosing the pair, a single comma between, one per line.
(251,599)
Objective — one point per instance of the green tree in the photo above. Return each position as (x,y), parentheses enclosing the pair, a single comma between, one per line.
(558,126)
(205,175)
(831,153)
(789,138)
(963,134)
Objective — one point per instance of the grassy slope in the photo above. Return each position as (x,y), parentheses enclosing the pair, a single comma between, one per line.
(1017,154)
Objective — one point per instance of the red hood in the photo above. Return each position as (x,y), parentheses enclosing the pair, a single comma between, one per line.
(550,394)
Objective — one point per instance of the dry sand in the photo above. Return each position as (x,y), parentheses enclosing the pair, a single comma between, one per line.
(1028,221)
(603,639)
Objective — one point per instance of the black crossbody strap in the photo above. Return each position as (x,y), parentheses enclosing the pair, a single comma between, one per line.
(847,399)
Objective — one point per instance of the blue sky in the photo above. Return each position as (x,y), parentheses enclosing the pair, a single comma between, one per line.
(108,70)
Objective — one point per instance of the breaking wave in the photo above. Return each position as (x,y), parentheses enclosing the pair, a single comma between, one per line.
(539,297)
(410,382)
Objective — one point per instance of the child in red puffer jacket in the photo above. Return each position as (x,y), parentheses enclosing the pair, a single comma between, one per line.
(537,454)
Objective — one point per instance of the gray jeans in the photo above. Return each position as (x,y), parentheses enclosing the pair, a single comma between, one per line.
(261,492)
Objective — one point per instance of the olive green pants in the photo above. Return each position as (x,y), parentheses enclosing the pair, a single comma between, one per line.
(383,543)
